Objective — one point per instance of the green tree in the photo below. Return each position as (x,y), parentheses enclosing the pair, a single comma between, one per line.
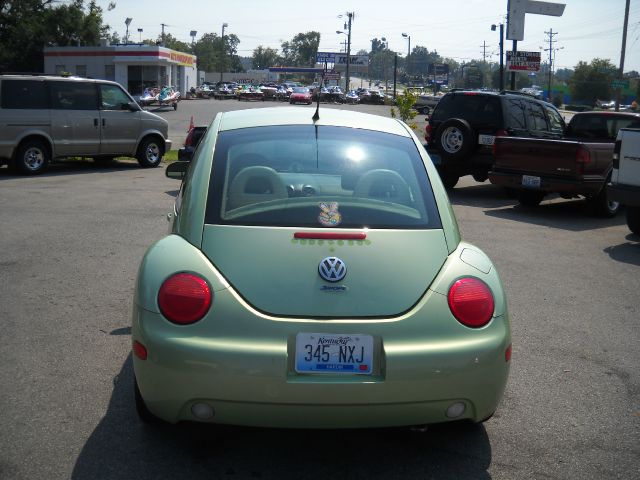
(27,26)
(591,82)
(264,57)
(174,44)
(301,50)
(214,56)
(405,111)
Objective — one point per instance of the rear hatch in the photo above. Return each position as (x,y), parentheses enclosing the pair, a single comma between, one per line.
(293,207)
(539,157)
(386,273)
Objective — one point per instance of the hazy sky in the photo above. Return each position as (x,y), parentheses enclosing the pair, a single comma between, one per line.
(455,28)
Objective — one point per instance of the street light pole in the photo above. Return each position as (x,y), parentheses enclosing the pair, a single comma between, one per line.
(408,37)
(350,15)
(224,25)
(493,29)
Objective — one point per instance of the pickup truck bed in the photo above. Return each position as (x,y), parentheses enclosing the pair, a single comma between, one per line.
(579,165)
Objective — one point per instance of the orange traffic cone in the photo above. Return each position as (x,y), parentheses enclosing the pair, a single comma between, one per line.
(191,125)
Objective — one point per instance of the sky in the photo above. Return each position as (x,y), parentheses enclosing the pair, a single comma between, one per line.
(458,29)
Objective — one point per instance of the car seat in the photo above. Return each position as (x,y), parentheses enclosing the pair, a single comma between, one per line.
(384,185)
(255,185)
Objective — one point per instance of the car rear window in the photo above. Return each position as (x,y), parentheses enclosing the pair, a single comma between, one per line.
(475,108)
(306,176)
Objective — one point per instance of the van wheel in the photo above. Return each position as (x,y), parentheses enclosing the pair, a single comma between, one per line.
(150,152)
(529,198)
(32,157)
(601,206)
(633,219)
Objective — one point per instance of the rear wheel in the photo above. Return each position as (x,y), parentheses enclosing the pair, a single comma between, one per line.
(449,179)
(530,198)
(633,219)
(456,138)
(150,152)
(32,157)
(601,206)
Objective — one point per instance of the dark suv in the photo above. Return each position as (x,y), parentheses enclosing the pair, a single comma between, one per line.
(464,124)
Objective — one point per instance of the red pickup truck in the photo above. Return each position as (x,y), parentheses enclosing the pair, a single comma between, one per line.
(578,165)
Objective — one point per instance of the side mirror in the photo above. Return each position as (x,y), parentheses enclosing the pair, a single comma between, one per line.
(132,106)
(177,170)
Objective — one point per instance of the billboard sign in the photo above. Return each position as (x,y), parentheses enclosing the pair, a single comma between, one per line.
(523,61)
(517,9)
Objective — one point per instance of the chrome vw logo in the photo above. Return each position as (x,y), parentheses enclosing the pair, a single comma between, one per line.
(332,269)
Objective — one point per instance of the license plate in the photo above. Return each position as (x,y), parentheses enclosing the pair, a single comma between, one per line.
(530,181)
(486,139)
(334,353)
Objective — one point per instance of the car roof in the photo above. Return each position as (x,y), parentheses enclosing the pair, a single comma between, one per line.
(260,117)
(43,78)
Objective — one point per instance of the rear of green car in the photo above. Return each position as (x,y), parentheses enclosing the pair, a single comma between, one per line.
(315,278)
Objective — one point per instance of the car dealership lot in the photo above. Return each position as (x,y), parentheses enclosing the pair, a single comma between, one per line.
(70,247)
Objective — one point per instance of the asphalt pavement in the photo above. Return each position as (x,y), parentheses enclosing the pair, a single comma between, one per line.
(70,246)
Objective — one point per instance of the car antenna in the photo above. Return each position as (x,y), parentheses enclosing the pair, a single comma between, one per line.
(316,116)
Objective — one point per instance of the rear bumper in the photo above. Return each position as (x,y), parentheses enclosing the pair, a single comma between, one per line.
(583,186)
(252,380)
(625,194)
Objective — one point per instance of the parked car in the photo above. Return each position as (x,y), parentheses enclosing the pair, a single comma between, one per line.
(250,92)
(577,165)
(426,103)
(277,300)
(44,118)
(464,125)
(192,141)
(625,179)
(300,95)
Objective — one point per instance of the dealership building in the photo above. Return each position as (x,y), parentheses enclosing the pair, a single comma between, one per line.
(134,66)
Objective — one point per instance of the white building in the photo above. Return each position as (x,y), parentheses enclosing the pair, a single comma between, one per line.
(135,67)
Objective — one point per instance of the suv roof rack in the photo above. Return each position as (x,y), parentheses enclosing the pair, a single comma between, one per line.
(517,92)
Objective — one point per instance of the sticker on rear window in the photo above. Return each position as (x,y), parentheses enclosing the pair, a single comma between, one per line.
(329,214)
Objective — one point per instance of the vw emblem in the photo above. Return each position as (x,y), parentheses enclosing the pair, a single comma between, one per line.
(332,269)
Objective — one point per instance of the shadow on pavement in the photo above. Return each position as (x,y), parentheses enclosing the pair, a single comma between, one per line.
(626,252)
(122,447)
(74,167)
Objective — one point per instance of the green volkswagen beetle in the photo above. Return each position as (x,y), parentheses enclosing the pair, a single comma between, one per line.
(315,277)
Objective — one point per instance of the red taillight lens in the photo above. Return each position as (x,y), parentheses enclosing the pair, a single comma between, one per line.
(471,302)
(184,298)
(582,155)
(140,350)
(427,132)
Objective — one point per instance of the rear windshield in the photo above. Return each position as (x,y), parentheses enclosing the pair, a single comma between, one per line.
(475,108)
(306,176)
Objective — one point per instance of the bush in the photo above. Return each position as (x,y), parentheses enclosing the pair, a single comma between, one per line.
(405,109)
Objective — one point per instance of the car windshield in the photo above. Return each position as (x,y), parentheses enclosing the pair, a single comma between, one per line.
(300,90)
(306,176)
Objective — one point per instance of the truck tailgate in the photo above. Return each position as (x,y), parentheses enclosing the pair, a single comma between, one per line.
(533,156)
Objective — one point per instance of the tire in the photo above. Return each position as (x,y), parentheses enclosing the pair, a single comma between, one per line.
(449,179)
(480,176)
(633,219)
(150,152)
(530,198)
(601,206)
(456,139)
(141,408)
(32,157)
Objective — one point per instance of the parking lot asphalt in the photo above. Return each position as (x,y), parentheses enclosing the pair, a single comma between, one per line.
(71,243)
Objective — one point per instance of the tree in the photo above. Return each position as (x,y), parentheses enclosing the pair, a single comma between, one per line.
(173,43)
(264,57)
(591,82)
(30,25)
(301,50)
(213,55)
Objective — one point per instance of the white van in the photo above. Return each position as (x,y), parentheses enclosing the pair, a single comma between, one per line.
(43,118)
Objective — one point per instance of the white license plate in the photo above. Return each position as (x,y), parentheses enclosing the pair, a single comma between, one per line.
(486,139)
(530,181)
(334,353)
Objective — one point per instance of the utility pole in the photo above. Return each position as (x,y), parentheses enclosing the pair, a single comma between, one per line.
(163,25)
(351,16)
(622,52)
(551,34)
(484,51)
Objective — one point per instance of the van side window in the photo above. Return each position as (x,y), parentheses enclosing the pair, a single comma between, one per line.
(113,98)
(73,96)
(24,95)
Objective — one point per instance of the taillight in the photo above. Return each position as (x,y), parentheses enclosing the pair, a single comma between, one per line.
(583,157)
(140,350)
(616,154)
(427,132)
(184,298)
(189,140)
(471,302)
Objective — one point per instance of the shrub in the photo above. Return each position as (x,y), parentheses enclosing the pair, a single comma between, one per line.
(405,109)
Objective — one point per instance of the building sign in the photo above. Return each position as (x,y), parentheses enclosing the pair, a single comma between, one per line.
(325,57)
(331,75)
(438,69)
(182,59)
(620,83)
(517,10)
(523,61)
